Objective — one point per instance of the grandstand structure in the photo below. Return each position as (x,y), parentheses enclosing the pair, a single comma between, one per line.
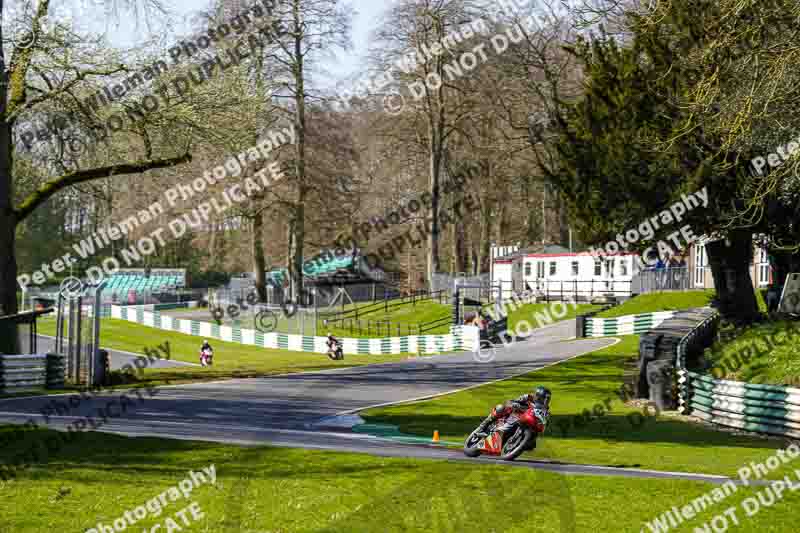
(326,269)
(328,273)
(132,284)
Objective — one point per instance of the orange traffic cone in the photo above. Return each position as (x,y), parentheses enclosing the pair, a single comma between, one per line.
(436,436)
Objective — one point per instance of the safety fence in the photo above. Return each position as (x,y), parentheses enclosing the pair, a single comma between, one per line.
(21,373)
(625,325)
(768,409)
(162,307)
(459,337)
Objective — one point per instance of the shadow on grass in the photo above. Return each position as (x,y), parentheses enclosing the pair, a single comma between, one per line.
(631,427)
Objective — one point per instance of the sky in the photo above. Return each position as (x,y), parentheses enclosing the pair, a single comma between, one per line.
(121,30)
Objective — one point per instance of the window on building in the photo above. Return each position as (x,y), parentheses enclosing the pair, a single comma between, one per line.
(763,267)
(610,267)
(700,266)
(623,267)
(575,268)
(527,269)
(598,267)
(539,269)
(552,268)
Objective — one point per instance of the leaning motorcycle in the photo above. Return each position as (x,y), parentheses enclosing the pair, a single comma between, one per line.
(511,434)
(206,357)
(336,352)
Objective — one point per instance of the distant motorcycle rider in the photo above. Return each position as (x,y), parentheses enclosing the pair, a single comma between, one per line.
(206,354)
(334,347)
(540,399)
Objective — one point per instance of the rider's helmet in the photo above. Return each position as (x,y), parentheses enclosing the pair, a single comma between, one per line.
(542,396)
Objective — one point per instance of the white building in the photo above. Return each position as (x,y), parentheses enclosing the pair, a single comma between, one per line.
(555,272)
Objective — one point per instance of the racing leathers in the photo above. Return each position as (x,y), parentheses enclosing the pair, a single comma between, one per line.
(540,411)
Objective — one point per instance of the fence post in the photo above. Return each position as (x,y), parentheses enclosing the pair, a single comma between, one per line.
(373,293)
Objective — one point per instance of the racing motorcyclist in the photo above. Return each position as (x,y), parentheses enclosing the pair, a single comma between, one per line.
(540,399)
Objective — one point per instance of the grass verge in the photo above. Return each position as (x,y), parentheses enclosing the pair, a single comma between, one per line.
(660,301)
(99,477)
(541,314)
(230,359)
(762,353)
(590,422)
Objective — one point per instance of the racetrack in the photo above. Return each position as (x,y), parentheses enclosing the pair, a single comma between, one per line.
(291,410)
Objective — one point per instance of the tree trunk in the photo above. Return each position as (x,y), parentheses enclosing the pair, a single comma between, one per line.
(298,227)
(484,248)
(730,261)
(259,263)
(459,245)
(433,237)
(9,341)
(8,272)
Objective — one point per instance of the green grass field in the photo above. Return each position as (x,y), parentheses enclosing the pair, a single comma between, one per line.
(408,314)
(612,434)
(762,353)
(98,477)
(537,314)
(230,359)
(660,301)
(371,324)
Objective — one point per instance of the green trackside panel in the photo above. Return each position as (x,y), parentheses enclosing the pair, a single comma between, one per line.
(174,325)
(439,339)
(195,327)
(610,326)
(363,346)
(283,340)
(215,331)
(259,338)
(308,343)
(237,334)
(386,346)
(139,315)
(422,343)
(404,344)
(124,313)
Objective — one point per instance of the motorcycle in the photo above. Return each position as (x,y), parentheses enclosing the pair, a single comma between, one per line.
(511,434)
(336,353)
(206,357)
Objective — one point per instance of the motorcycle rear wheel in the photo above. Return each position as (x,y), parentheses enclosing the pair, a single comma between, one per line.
(516,444)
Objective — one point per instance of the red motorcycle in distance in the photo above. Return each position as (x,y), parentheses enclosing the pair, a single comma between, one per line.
(513,433)
(207,357)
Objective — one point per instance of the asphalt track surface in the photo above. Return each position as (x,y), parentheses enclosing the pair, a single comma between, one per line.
(299,410)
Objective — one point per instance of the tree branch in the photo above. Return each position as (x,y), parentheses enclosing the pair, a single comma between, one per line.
(45,191)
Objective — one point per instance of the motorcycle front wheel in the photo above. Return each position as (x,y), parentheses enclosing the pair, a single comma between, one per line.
(516,443)
(471,445)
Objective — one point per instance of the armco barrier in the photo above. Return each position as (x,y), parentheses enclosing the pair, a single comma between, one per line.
(20,373)
(460,337)
(768,409)
(625,325)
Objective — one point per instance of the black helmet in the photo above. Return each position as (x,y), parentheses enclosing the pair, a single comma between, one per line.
(542,395)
